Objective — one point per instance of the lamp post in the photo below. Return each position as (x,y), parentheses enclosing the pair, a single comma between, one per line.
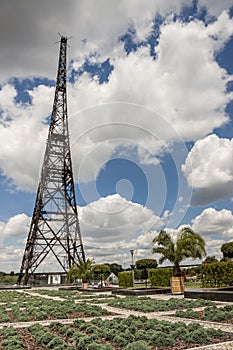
(132,264)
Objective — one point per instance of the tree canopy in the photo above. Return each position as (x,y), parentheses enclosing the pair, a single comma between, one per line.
(101,270)
(209,260)
(187,245)
(144,264)
(115,268)
(80,270)
(227,250)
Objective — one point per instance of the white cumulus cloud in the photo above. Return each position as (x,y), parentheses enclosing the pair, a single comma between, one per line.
(209,169)
(212,222)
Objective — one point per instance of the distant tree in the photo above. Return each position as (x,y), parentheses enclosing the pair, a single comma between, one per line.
(193,271)
(209,260)
(115,268)
(101,270)
(188,245)
(144,264)
(227,250)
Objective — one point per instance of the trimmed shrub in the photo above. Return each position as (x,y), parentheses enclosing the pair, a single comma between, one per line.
(125,279)
(160,277)
(217,274)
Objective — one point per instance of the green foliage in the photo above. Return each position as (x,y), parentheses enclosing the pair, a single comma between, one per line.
(209,313)
(56,342)
(150,305)
(67,331)
(120,341)
(132,333)
(36,308)
(137,345)
(84,341)
(115,268)
(188,245)
(97,346)
(101,270)
(209,260)
(180,333)
(3,315)
(217,274)
(189,313)
(80,270)
(227,250)
(125,279)
(160,277)
(162,339)
(13,342)
(144,264)
(192,271)
(8,331)
(199,336)
(44,338)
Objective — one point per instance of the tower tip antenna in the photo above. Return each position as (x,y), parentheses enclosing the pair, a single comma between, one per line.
(63,37)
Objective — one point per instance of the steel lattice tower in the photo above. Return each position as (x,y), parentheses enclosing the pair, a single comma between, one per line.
(55,225)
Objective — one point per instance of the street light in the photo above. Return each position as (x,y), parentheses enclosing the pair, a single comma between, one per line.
(132,264)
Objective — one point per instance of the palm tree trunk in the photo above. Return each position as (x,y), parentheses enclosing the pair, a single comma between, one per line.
(177,270)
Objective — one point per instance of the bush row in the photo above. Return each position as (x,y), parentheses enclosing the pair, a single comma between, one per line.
(160,277)
(125,279)
(217,274)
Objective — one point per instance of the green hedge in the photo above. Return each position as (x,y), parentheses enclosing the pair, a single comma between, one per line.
(125,279)
(217,274)
(160,277)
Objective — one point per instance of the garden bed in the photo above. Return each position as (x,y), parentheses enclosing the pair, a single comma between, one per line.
(222,314)
(26,308)
(151,305)
(72,295)
(132,333)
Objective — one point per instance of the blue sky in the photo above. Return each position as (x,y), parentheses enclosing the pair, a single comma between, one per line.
(150,107)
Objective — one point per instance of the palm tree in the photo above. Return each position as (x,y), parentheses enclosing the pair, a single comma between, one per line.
(188,245)
(82,270)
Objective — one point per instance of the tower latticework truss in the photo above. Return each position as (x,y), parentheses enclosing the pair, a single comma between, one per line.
(55,226)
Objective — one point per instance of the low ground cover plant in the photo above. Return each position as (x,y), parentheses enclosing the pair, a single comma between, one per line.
(36,308)
(134,333)
(12,296)
(212,313)
(73,295)
(11,339)
(150,305)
